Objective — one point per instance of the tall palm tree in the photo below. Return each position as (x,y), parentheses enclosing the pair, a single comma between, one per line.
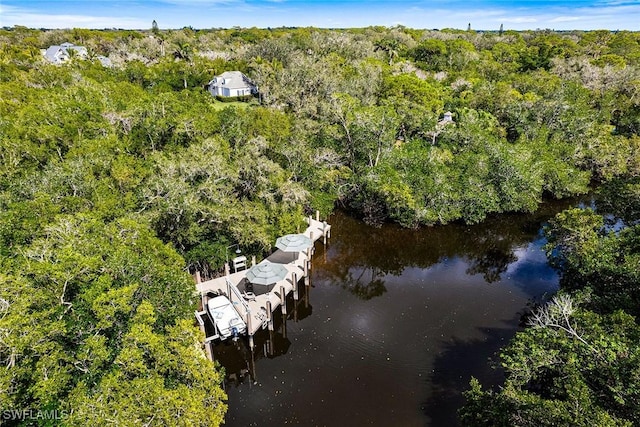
(183,51)
(390,46)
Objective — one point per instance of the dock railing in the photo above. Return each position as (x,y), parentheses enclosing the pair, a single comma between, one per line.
(299,268)
(233,291)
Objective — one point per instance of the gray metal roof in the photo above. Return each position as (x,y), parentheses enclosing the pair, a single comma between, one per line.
(56,53)
(51,52)
(231,80)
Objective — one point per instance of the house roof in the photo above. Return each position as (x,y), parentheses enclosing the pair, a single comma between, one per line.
(80,49)
(231,80)
(51,53)
(55,52)
(106,62)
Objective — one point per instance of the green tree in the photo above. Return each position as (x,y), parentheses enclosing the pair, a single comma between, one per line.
(572,367)
(367,133)
(157,379)
(430,53)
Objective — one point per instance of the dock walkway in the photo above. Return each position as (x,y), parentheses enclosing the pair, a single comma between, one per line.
(256,306)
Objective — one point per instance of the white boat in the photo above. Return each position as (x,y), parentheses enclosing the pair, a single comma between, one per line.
(225,318)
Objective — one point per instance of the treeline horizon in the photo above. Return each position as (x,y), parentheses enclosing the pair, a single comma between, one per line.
(294,27)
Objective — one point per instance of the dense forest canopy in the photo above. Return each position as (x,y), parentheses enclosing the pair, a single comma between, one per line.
(116,181)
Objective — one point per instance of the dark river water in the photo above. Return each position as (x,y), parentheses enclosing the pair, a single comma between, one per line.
(394,325)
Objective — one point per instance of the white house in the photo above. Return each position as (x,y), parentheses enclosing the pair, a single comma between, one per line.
(60,54)
(231,83)
(448,118)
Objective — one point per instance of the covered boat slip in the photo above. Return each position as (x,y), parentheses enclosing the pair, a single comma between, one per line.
(256,303)
(253,303)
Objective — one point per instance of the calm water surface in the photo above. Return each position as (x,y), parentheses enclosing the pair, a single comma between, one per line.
(394,325)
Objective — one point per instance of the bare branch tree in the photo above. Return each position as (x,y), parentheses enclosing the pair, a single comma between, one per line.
(557,314)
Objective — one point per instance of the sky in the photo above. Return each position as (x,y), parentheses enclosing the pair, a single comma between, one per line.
(481,14)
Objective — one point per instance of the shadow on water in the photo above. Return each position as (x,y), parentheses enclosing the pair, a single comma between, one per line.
(453,368)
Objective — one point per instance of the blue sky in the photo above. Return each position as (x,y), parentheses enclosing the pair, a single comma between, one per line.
(482,14)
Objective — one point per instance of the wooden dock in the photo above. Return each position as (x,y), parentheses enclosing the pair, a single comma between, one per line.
(256,304)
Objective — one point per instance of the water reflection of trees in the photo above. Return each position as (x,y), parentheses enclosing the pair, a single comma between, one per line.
(366,283)
(359,257)
(491,264)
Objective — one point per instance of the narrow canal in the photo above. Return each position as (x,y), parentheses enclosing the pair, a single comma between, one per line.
(394,325)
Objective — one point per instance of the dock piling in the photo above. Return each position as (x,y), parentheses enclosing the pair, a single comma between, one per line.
(249,329)
(283,301)
(294,278)
(306,273)
(306,298)
(208,348)
(270,346)
(270,315)
(324,233)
